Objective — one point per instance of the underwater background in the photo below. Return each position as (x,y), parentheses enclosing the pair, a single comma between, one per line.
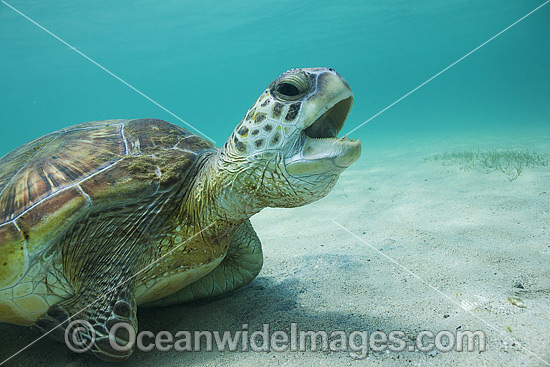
(442,224)
(208,61)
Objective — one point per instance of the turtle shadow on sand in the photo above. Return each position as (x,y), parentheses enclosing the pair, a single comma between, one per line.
(265,300)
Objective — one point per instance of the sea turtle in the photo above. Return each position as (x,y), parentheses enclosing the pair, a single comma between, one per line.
(101,217)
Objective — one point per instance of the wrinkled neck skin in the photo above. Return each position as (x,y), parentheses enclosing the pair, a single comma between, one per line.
(229,188)
(224,190)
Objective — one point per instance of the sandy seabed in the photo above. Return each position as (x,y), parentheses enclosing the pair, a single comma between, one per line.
(400,244)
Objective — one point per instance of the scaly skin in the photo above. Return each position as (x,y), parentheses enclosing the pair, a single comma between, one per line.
(251,172)
(186,206)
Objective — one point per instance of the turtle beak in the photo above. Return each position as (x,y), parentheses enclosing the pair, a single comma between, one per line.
(329,124)
(321,150)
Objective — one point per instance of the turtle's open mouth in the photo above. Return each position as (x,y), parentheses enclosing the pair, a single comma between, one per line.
(329,124)
(322,151)
(318,150)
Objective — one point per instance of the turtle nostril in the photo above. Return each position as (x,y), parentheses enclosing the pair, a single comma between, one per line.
(331,70)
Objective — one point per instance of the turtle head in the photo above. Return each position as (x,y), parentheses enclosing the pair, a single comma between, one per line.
(290,136)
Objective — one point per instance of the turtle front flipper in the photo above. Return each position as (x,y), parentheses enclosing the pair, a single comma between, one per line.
(85,321)
(101,257)
(240,266)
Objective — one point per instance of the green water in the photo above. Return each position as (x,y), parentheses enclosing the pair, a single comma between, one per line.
(208,61)
(464,220)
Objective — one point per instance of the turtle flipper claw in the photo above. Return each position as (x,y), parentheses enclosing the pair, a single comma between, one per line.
(53,323)
(88,328)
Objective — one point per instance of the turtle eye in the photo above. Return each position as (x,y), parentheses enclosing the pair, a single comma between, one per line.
(288,89)
(292,86)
